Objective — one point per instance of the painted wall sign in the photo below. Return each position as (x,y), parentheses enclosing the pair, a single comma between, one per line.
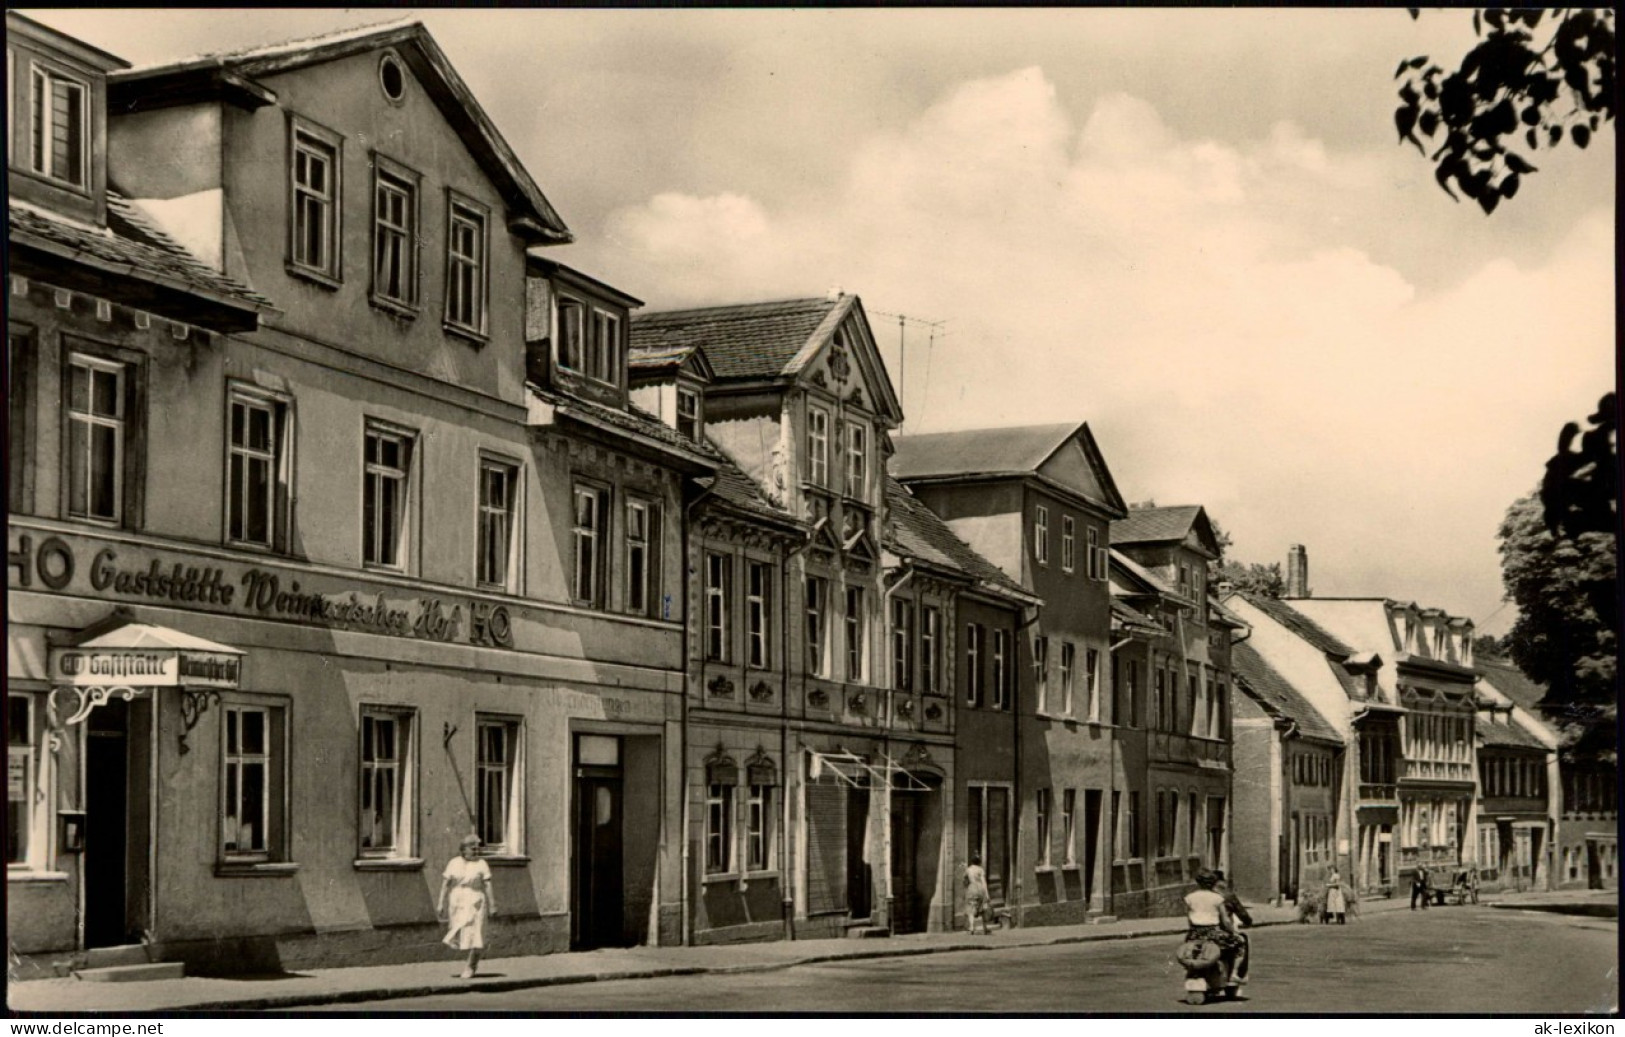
(78,565)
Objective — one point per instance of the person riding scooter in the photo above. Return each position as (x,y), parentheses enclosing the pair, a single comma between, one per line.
(1210,923)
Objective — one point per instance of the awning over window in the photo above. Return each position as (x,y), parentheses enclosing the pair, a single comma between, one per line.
(859,772)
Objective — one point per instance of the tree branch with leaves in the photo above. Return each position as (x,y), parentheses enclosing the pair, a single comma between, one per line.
(1535,78)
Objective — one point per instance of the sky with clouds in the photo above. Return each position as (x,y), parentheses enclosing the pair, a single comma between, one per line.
(1192,228)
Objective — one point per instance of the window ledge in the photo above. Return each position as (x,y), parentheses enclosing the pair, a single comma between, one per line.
(389,864)
(394,307)
(1071,866)
(470,335)
(761,876)
(255,869)
(1045,869)
(721,876)
(507,860)
(315,277)
(27,875)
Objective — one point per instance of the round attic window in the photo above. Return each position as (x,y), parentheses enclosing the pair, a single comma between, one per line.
(392,78)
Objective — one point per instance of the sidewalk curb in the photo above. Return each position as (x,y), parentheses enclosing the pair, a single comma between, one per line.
(339,997)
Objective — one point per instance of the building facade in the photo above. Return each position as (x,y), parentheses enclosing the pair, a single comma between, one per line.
(1159,562)
(1037,502)
(402,571)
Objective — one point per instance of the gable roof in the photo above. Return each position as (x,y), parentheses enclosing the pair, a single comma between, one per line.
(1265,685)
(657,363)
(760,341)
(231,74)
(1161,525)
(152,271)
(1510,681)
(1299,624)
(915,531)
(1017,451)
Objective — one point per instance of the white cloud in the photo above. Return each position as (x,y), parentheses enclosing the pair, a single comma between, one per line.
(1213,307)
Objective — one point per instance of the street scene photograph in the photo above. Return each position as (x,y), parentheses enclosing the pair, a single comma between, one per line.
(855,512)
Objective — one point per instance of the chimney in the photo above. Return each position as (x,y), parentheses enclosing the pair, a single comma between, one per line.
(1297,572)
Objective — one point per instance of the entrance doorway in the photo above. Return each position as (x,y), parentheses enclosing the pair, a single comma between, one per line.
(1091,841)
(859,884)
(905,843)
(117,836)
(596,917)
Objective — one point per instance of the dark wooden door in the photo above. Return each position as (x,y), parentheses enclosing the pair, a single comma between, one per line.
(859,886)
(107,810)
(596,911)
(905,845)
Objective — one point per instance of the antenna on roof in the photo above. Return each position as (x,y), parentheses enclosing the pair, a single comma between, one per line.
(902,349)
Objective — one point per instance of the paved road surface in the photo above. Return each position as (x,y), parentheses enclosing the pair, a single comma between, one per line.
(1456,960)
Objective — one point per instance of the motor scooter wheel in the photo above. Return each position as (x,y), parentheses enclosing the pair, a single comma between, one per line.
(1195,997)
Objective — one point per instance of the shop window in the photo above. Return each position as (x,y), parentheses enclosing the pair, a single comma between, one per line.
(314,187)
(394,234)
(498,506)
(59,127)
(24,809)
(387,466)
(758,613)
(259,469)
(589,533)
(718,587)
(465,264)
(387,782)
(254,789)
(499,785)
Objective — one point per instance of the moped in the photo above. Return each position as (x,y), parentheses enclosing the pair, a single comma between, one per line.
(1210,972)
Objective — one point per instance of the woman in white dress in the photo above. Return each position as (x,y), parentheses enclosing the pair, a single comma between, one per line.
(466,886)
(1336,899)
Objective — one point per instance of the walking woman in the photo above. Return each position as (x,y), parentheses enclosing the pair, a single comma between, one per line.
(466,886)
(1336,901)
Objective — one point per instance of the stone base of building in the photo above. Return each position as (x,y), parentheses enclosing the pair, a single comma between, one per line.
(753,932)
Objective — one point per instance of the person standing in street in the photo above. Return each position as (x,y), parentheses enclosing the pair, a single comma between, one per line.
(465,902)
(976,895)
(1420,888)
(1336,901)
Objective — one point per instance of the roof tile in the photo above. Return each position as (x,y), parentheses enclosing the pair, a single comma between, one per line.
(918,532)
(1150,525)
(1277,694)
(978,451)
(746,341)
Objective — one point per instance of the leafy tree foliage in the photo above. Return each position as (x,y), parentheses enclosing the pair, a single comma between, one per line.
(1535,78)
(1580,493)
(1488,645)
(1559,638)
(1252,578)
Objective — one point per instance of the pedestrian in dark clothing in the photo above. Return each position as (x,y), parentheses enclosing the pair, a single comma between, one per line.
(1232,904)
(1420,888)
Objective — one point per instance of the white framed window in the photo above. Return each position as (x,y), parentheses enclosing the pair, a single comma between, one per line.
(316,158)
(604,356)
(59,126)
(1041,808)
(1069,826)
(98,435)
(975,633)
(718,585)
(1096,555)
(1068,667)
(817,446)
(719,800)
(499,785)
(1069,543)
(259,470)
(1041,535)
(930,649)
(498,508)
(688,413)
(642,530)
(1041,672)
(572,335)
(817,612)
(388,779)
(758,614)
(253,825)
(589,533)
(1001,669)
(902,644)
(857,459)
(856,631)
(466,223)
(394,233)
(759,827)
(26,812)
(385,501)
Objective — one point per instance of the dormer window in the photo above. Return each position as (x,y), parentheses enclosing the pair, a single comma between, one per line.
(572,326)
(59,125)
(603,359)
(688,413)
